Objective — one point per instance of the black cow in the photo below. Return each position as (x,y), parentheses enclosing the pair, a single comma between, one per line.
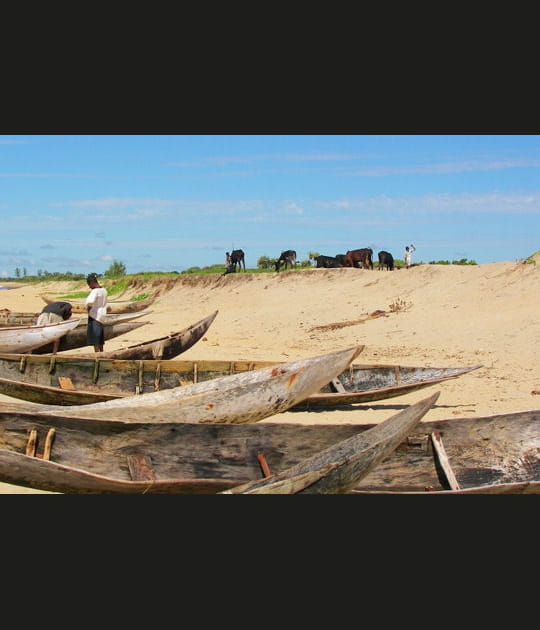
(386,260)
(237,258)
(288,257)
(326,261)
(361,258)
(230,269)
(341,259)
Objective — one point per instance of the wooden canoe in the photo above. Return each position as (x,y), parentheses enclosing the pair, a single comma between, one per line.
(76,380)
(20,318)
(517,487)
(496,454)
(76,338)
(166,347)
(74,455)
(127,306)
(362,383)
(29,338)
(236,398)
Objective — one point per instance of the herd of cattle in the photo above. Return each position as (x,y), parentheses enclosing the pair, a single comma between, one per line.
(359,258)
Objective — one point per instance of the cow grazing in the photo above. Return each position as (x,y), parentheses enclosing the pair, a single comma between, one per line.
(361,258)
(288,257)
(326,261)
(386,260)
(237,258)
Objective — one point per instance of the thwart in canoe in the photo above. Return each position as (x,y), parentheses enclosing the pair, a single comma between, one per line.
(72,455)
(236,398)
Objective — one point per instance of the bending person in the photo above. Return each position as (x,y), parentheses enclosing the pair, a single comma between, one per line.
(52,314)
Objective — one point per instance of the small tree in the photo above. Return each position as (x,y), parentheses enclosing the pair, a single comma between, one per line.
(116,270)
(266,263)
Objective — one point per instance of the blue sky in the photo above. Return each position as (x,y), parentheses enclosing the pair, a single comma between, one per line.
(169,202)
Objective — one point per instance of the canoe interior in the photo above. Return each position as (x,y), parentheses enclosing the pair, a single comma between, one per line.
(16,318)
(501,449)
(111,378)
(118,377)
(210,459)
(497,449)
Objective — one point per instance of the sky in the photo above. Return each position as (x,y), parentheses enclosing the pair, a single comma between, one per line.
(78,202)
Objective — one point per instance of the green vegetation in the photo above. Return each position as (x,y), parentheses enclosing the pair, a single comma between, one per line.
(116,280)
(116,270)
(530,259)
(462,261)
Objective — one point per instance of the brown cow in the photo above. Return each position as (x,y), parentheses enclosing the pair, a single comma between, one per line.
(361,258)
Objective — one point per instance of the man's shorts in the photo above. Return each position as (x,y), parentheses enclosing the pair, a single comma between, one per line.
(95,333)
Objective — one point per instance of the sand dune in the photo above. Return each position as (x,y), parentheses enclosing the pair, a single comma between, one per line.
(438,315)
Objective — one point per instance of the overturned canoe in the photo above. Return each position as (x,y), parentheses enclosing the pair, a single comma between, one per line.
(236,398)
(72,455)
(76,380)
(76,338)
(127,306)
(29,338)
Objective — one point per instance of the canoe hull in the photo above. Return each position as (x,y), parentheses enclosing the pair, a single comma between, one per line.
(115,378)
(236,398)
(128,306)
(21,318)
(28,338)
(90,456)
(166,347)
(76,338)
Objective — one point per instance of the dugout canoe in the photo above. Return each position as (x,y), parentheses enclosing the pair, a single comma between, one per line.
(126,306)
(362,383)
(76,456)
(10,318)
(166,347)
(497,454)
(29,338)
(236,398)
(76,380)
(76,338)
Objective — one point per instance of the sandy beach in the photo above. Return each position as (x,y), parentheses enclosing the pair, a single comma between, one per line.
(428,315)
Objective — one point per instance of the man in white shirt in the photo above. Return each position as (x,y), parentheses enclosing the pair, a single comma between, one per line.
(96,305)
(408,253)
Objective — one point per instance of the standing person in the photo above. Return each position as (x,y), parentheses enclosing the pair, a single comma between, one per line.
(96,305)
(408,252)
(227,259)
(52,314)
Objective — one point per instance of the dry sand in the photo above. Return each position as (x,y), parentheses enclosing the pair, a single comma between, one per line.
(436,315)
